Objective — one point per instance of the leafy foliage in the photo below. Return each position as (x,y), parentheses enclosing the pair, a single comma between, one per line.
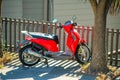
(115,7)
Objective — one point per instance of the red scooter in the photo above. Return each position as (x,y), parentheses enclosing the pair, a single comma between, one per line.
(37,46)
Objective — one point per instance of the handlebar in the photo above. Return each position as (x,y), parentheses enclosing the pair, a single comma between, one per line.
(60,25)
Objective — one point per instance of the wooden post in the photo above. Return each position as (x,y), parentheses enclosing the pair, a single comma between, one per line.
(64,41)
(45,27)
(37,26)
(51,28)
(6,32)
(60,39)
(87,35)
(10,34)
(33,24)
(107,40)
(28,25)
(78,29)
(24,27)
(14,34)
(42,27)
(117,42)
(55,29)
(83,30)
(19,30)
(111,50)
(92,36)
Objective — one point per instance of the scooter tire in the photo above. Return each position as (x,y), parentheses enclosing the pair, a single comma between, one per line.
(21,56)
(88,54)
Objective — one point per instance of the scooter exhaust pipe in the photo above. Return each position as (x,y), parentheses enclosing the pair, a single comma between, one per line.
(31,52)
(61,55)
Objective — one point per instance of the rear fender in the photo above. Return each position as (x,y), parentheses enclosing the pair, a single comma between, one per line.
(23,43)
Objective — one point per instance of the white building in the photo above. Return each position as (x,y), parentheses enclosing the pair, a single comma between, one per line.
(48,9)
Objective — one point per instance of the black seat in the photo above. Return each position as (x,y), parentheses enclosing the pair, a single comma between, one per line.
(45,36)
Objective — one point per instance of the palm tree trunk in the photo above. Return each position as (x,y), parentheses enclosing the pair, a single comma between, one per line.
(99,56)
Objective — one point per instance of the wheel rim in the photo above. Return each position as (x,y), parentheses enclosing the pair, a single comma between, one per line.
(83,53)
(29,59)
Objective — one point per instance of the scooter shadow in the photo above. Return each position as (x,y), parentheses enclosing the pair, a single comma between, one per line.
(56,68)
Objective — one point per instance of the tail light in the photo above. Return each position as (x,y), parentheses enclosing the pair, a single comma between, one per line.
(20,45)
(28,37)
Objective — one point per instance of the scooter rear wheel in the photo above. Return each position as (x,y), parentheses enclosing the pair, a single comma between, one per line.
(83,54)
(27,59)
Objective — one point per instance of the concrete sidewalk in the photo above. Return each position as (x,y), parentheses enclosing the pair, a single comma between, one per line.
(57,70)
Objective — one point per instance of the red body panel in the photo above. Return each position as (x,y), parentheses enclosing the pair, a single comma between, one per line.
(72,39)
(51,45)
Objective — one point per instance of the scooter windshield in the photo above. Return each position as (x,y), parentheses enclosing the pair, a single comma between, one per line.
(68,23)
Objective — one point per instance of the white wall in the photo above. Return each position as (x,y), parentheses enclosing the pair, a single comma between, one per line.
(33,9)
(12,8)
(29,9)
(113,21)
(65,9)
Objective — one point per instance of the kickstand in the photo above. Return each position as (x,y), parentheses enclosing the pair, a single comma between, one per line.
(25,67)
(46,62)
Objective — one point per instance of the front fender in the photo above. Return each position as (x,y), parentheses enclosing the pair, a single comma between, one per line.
(82,41)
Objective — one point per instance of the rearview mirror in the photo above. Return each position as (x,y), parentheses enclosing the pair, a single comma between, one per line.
(55,20)
(74,18)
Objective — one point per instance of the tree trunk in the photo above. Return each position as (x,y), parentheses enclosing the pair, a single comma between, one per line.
(1,53)
(99,58)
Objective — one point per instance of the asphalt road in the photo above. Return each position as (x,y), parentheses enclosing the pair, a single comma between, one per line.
(57,70)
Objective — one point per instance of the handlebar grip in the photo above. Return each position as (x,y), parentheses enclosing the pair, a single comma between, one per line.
(59,26)
(74,24)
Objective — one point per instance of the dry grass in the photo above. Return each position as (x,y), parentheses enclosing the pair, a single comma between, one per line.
(111,75)
(84,67)
(7,57)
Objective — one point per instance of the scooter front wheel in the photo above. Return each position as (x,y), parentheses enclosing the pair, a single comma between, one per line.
(27,59)
(83,54)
